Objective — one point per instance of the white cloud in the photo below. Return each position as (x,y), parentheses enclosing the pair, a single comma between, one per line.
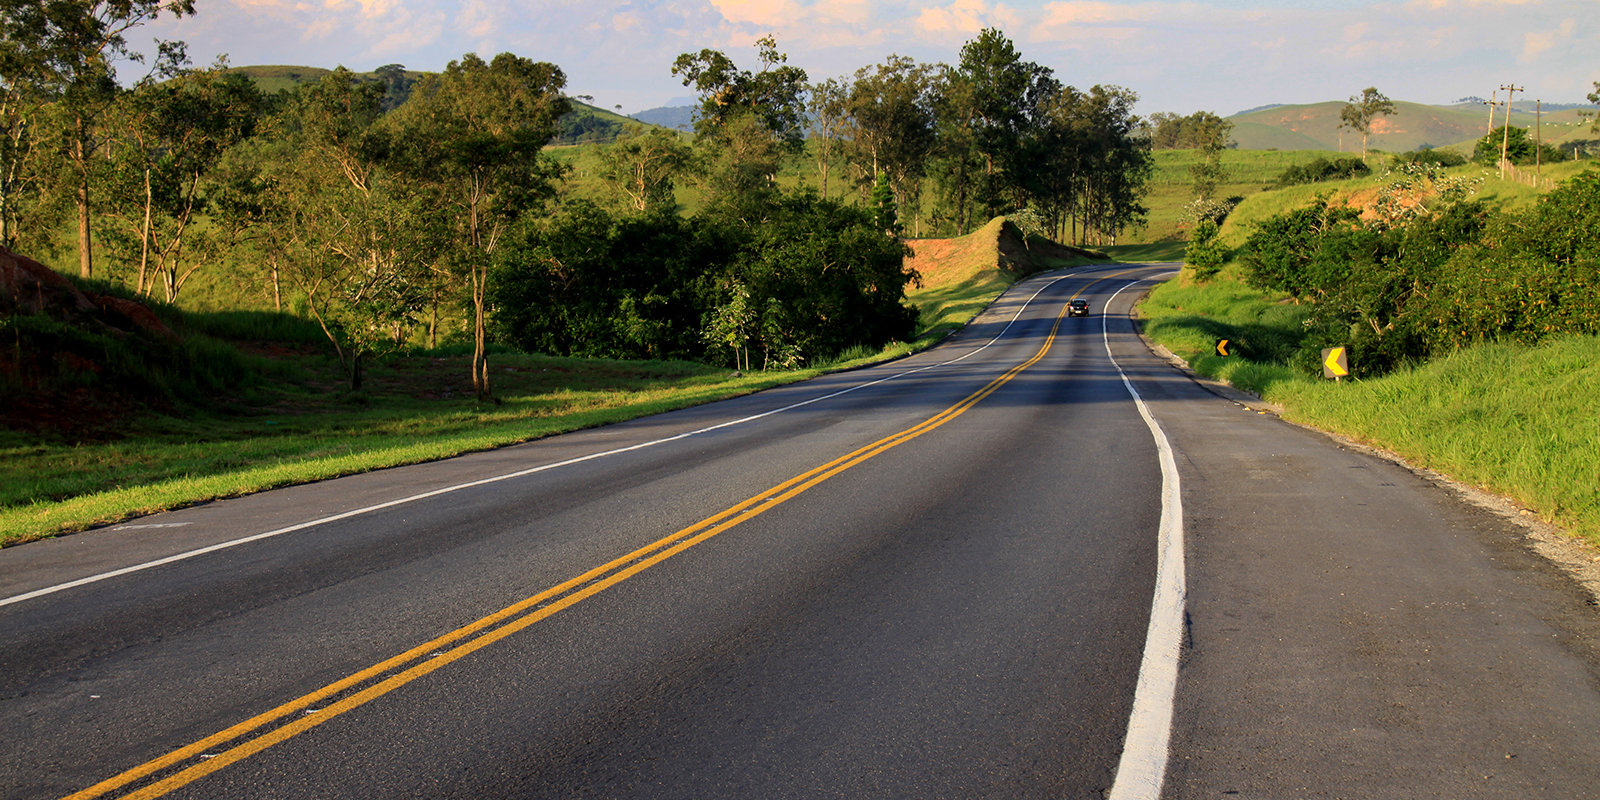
(1536,42)
(1178,54)
(966,17)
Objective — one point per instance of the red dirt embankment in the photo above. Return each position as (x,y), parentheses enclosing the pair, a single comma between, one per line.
(998,246)
(28,287)
(57,380)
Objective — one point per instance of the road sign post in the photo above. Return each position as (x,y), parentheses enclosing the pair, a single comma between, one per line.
(1335,364)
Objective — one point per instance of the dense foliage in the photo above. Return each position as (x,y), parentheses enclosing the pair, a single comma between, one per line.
(1321,169)
(813,278)
(1399,289)
(399,208)
(1517,146)
(1198,131)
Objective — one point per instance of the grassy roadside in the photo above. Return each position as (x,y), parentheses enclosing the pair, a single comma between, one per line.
(413,412)
(1518,421)
(304,427)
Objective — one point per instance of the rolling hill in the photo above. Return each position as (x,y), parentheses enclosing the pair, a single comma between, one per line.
(1316,126)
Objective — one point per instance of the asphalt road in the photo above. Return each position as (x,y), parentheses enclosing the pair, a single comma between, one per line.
(931,578)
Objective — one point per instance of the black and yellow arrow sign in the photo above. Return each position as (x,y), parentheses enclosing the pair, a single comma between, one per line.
(1222,347)
(1334,363)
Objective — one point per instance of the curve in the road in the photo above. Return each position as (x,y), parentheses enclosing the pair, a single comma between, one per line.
(1142,764)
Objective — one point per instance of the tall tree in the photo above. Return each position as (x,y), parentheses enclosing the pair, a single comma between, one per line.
(830,124)
(477,131)
(891,111)
(747,122)
(642,165)
(775,94)
(1359,113)
(1199,130)
(71,47)
(1594,97)
(956,158)
(1007,92)
(166,138)
(22,112)
(355,235)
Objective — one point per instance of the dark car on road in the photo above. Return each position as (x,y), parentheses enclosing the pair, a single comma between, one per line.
(1078,308)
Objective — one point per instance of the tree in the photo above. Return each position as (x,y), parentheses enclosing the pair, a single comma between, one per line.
(476,131)
(1093,166)
(1200,130)
(955,152)
(1594,97)
(1517,146)
(747,122)
(643,163)
(775,94)
(830,122)
(1360,112)
(69,47)
(23,111)
(352,233)
(1205,254)
(891,117)
(167,137)
(1006,95)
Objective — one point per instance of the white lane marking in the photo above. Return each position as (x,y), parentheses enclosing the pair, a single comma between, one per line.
(508,476)
(1143,767)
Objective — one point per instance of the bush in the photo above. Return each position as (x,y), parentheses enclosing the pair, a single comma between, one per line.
(1205,255)
(1322,169)
(811,277)
(1428,155)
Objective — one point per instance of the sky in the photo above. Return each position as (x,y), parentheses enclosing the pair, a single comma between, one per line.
(1223,56)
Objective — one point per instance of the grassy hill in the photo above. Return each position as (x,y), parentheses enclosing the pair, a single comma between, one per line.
(1316,126)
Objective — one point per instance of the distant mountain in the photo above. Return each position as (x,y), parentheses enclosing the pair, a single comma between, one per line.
(675,117)
(1316,126)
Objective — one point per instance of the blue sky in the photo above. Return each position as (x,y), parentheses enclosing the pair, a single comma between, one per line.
(1222,56)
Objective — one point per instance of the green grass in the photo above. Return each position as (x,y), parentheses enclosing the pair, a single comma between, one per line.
(415,409)
(1516,420)
(1155,251)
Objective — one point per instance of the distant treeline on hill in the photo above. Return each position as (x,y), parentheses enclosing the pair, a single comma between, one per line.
(584,124)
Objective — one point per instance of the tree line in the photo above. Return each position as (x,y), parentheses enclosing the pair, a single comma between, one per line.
(413,208)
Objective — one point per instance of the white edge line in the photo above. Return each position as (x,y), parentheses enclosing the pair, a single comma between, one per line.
(1143,768)
(60,587)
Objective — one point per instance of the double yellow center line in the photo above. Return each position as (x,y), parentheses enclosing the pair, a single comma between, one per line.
(322,705)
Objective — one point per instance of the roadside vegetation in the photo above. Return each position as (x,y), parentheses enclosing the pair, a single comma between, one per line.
(1469,307)
(277,269)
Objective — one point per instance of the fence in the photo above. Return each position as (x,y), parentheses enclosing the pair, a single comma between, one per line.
(1524,176)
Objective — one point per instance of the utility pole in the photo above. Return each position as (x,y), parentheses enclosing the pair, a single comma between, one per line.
(1491,104)
(1538,137)
(1505,136)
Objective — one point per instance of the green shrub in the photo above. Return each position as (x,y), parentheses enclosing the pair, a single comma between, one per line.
(1322,169)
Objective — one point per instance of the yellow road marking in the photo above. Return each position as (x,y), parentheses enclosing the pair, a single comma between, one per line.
(542,605)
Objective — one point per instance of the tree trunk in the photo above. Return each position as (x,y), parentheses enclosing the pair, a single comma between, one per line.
(85,242)
(480,352)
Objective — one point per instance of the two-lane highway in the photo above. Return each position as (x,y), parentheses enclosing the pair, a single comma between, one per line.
(930,578)
(969,573)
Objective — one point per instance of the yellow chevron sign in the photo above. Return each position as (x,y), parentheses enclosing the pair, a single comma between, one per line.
(1222,347)
(1334,363)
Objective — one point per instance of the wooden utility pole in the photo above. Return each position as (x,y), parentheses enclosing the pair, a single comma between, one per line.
(1538,137)
(1491,104)
(1505,136)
